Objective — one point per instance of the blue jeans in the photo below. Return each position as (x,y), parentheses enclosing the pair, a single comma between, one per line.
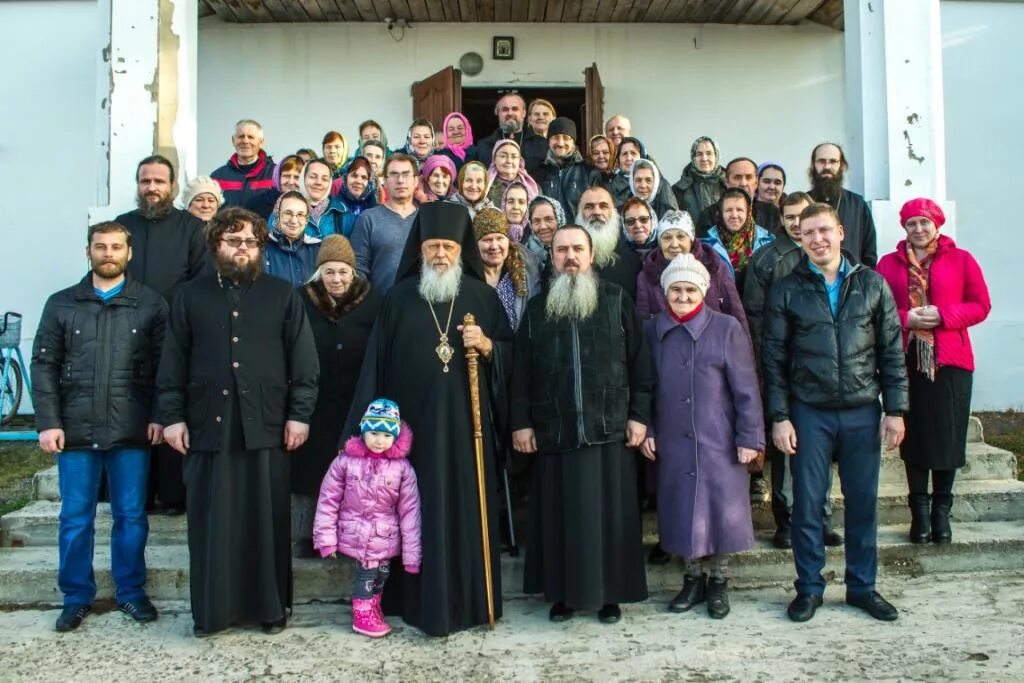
(80,471)
(851,436)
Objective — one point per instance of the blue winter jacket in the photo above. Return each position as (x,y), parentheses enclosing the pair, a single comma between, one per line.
(291,261)
(714,242)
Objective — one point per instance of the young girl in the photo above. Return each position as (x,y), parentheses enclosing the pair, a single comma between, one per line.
(369,509)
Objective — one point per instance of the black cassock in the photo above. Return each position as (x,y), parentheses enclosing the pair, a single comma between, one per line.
(401,364)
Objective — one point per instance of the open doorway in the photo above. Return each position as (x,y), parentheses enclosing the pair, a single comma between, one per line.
(478,105)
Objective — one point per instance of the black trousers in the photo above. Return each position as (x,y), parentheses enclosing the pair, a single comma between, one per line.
(917,480)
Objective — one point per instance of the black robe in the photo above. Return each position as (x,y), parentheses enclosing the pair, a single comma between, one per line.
(585,541)
(448,594)
(623,270)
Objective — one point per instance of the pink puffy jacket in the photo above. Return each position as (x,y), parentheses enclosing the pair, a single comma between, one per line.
(955,286)
(369,506)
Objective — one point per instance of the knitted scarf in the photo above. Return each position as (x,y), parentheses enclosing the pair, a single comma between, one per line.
(918,273)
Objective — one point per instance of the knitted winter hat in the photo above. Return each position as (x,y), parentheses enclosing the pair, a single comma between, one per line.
(562,126)
(336,248)
(489,221)
(675,219)
(922,207)
(686,268)
(203,184)
(381,416)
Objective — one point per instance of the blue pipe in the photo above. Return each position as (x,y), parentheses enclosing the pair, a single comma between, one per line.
(19,436)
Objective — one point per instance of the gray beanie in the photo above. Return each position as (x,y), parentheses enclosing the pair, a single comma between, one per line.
(686,268)
(203,184)
(674,219)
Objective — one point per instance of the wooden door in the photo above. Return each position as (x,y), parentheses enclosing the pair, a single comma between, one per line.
(594,106)
(438,95)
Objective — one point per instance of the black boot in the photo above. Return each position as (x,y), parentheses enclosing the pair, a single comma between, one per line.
(942,503)
(694,591)
(920,522)
(718,598)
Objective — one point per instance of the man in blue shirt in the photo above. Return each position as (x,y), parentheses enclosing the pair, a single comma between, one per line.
(832,344)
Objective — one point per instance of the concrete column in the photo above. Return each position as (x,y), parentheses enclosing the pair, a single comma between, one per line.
(146,92)
(895,108)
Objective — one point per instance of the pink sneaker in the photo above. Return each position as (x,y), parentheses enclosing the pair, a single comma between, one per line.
(366,620)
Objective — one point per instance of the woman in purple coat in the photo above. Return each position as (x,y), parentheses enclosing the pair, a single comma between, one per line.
(708,424)
(675,234)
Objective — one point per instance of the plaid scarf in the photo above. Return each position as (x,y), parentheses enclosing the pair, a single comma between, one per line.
(917,292)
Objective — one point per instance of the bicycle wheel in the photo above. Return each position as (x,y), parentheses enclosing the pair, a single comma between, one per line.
(10,393)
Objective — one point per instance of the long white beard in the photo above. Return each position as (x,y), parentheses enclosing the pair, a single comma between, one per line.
(605,235)
(439,288)
(572,296)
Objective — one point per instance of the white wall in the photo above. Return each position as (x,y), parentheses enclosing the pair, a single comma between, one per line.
(47,150)
(763,92)
(983,59)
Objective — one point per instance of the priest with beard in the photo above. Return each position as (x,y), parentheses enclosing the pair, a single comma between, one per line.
(614,260)
(828,166)
(416,356)
(582,386)
(237,386)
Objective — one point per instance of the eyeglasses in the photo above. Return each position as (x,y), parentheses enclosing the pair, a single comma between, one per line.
(642,220)
(400,176)
(236,242)
(296,216)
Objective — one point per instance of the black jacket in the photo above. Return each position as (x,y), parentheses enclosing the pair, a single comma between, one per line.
(532,146)
(832,362)
(565,183)
(695,193)
(94,365)
(577,383)
(768,265)
(258,355)
(858,224)
(166,252)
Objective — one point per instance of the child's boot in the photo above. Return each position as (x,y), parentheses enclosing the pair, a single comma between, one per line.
(365,619)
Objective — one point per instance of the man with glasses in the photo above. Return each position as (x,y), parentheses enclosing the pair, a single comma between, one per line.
(828,165)
(291,253)
(237,385)
(379,234)
(168,251)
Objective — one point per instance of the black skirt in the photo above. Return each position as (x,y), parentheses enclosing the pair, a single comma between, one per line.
(936,436)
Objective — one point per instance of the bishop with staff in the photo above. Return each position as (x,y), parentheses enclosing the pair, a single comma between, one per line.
(417,357)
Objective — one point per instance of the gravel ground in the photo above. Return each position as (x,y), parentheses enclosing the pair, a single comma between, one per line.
(951,628)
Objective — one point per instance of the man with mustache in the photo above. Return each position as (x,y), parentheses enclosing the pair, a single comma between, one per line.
(416,356)
(581,394)
(614,261)
(237,386)
(167,251)
(828,167)
(511,113)
(93,366)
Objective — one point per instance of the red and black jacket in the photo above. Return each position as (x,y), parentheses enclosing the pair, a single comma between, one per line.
(239,183)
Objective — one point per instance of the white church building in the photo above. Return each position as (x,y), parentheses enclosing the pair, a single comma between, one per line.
(921,94)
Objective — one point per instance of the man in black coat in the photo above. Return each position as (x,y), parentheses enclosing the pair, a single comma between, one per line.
(564,175)
(167,251)
(511,113)
(237,386)
(614,261)
(93,366)
(828,165)
(741,172)
(832,344)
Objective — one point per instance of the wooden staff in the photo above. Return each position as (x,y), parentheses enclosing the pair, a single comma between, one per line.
(472,362)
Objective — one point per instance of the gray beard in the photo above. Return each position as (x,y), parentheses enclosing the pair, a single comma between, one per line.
(572,297)
(605,237)
(508,127)
(439,288)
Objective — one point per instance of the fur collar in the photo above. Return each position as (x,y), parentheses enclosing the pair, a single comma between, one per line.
(355,447)
(333,309)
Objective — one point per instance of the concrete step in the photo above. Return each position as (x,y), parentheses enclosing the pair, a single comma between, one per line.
(975,501)
(37,522)
(28,575)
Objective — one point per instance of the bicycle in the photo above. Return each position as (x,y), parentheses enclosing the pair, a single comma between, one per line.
(13,371)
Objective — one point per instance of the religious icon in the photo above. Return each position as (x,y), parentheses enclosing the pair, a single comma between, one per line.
(504,47)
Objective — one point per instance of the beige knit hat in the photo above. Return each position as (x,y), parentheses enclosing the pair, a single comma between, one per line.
(336,248)
(686,268)
(202,184)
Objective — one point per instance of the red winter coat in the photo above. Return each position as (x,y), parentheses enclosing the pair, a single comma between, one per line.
(369,506)
(955,286)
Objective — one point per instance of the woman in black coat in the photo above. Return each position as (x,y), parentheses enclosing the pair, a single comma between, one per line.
(342,307)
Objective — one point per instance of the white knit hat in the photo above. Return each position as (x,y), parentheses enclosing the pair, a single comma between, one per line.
(686,268)
(203,184)
(674,219)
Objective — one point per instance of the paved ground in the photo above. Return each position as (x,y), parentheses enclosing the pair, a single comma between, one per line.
(967,627)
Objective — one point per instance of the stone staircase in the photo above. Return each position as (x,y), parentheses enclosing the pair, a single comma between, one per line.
(988,534)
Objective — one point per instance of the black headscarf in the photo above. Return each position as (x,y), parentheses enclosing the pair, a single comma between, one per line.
(445,221)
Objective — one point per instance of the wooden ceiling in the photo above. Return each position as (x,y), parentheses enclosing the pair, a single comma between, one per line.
(760,12)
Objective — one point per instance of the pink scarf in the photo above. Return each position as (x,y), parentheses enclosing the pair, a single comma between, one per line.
(521,176)
(457,150)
